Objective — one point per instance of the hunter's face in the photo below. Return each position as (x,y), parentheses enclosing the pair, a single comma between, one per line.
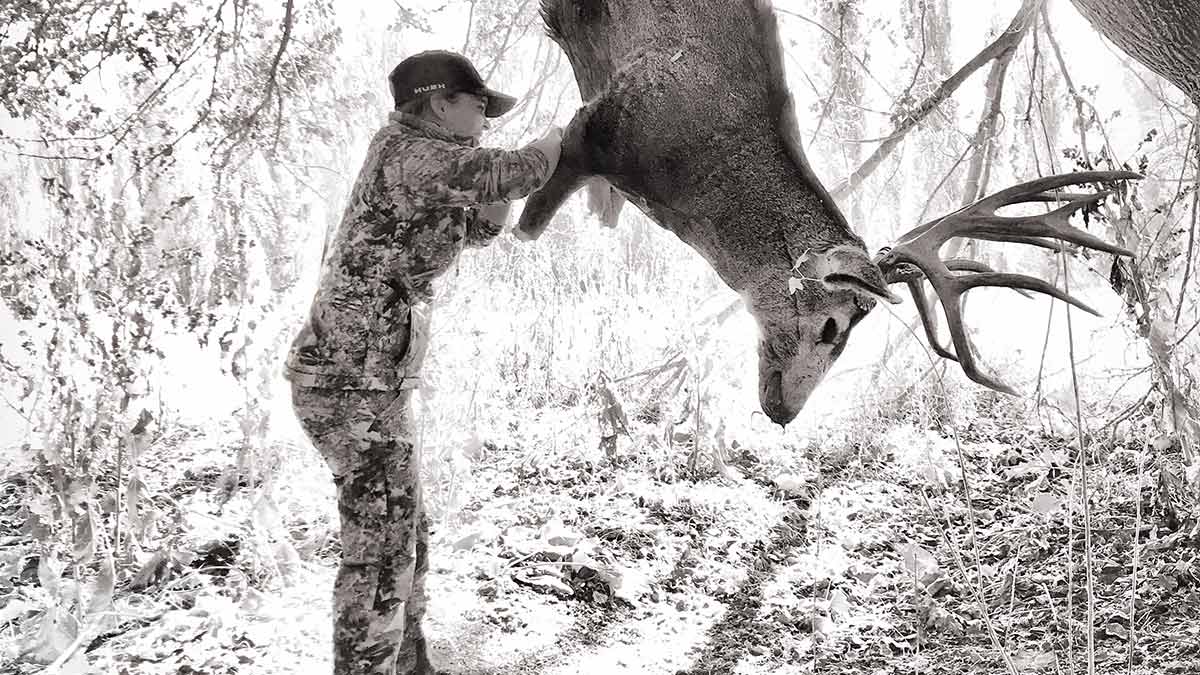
(462,114)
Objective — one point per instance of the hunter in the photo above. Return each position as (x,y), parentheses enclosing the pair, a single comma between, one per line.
(425,191)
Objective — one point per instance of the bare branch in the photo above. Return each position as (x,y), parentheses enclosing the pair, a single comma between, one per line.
(1186,334)
(1004,44)
(938,188)
(273,73)
(837,81)
(470,23)
(34,155)
(985,149)
(508,42)
(921,60)
(1079,102)
(129,122)
(272,83)
(837,38)
(1191,245)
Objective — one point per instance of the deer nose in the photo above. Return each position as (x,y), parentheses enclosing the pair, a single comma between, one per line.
(772,399)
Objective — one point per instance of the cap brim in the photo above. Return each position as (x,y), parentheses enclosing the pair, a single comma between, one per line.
(498,103)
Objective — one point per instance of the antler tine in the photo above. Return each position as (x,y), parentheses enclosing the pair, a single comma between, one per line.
(928,319)
(1023,192)
(958,335)
(1060,218)
(918,250)
(1040,242)
(1037,190)
(1058,196)
(968,265)
(1020,281)
(980,222)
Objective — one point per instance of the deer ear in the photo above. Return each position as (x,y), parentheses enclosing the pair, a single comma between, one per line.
(847,268)
(604,201)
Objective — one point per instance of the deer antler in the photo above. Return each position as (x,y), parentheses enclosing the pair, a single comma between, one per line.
(915,255)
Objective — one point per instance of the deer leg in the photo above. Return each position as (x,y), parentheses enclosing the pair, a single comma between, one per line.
(573,170)
(543,204)
(587,159)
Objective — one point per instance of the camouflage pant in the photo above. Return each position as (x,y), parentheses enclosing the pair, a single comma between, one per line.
(379,595)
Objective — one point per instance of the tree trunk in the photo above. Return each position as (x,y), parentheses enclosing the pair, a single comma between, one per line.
(1164,35)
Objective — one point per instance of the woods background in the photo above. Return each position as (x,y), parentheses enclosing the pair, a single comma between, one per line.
(169,173)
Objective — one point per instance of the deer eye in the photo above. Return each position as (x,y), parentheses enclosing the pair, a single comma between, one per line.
(829,333)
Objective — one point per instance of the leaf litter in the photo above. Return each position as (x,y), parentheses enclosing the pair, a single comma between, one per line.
(569,558)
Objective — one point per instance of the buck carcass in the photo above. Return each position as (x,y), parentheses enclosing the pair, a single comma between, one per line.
(687,115)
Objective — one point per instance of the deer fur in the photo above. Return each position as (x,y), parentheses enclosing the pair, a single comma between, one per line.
(687,115)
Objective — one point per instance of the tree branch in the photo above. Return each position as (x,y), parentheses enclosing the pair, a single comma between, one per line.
(1006,43)
(505,44)
(837,80)
(938,188)
(470,22)
(1191,245)
(273,73)
(985,149)
(272,83)
(920,61)
(838,39)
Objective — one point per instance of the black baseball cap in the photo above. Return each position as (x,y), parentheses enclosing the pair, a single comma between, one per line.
(440,70)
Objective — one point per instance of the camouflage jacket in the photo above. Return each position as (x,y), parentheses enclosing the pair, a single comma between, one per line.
(410,215)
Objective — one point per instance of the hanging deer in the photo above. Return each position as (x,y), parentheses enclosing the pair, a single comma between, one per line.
(687,115)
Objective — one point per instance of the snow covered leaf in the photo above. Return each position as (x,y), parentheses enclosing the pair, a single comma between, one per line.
(467,542)
(1031,660)
(1162,442)
(839,603)
(822,626)
(793,484)
(58,630)
(944,621)
(1046,502)
(543,582)
(15,609)
(917,560)
(633,584)
(554,532)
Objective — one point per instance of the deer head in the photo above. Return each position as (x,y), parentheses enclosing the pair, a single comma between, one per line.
(687,115)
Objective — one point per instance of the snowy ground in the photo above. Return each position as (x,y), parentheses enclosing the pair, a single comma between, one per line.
(827,557)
